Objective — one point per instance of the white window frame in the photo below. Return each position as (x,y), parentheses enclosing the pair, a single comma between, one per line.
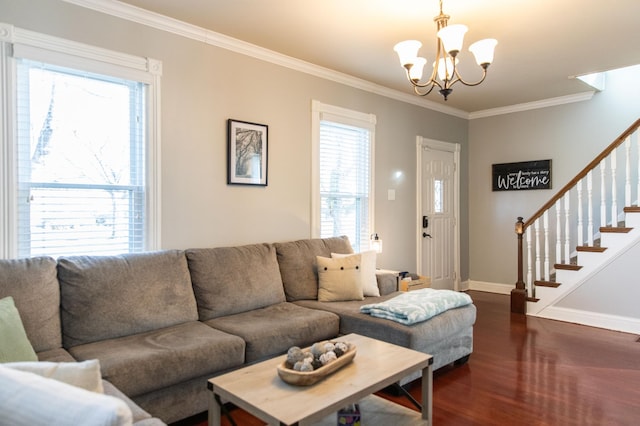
(325,112)
(17,42)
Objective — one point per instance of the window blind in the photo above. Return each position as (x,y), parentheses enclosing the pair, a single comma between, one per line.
(345,182)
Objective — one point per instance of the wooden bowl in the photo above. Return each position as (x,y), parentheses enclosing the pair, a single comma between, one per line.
(307,378)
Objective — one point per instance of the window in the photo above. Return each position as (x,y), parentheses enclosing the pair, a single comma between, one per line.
(438,189)
(79,151)
(343,183)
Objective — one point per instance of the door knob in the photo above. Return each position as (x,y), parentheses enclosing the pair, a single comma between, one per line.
(424,235)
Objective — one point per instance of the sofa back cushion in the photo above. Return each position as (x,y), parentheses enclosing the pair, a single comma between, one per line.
(231,280)
(34,287)
(297,261)
(104,297)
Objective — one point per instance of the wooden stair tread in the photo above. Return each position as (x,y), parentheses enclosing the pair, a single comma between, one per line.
(532,299)
(567,267)
(615,229)
(632,209)
(546,284)
(591,249)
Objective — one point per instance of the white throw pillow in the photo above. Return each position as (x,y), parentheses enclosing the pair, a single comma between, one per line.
(339,279)
(27,399)
(85,374)
(368,270)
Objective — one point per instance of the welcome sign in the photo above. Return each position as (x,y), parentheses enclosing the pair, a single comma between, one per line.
(522,176)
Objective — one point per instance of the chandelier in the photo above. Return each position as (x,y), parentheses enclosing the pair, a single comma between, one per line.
(445,68)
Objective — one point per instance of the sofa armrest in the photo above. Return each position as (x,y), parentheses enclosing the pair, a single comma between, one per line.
(387,281)
(140,416)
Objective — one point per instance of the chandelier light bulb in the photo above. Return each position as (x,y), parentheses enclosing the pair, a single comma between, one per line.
(407,52)
(445,68)
(483,51)
(452,38)
(415,73)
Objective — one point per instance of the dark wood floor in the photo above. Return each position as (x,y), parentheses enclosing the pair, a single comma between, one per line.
(530,371)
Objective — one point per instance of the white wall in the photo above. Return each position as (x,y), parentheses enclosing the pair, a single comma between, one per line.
(619,281)
(203,86)
(570,135)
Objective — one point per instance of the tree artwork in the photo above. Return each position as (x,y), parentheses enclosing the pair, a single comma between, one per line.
(248,153)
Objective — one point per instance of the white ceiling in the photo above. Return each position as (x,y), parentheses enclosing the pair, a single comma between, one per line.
(541,43)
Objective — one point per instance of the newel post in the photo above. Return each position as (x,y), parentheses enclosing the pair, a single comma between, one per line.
(519,294)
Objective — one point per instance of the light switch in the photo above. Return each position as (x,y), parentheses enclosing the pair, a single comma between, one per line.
(391,194)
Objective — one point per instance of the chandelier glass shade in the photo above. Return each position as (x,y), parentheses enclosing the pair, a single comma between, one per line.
(445,67)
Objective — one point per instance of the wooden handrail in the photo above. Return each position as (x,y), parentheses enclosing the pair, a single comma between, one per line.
(592,165)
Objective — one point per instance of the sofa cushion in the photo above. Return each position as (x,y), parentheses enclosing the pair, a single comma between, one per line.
(104,297)
(55,402)
(230,280)
(14,344)
(339,278)
(34,287)
(297,261)
(156,359)
(273,330)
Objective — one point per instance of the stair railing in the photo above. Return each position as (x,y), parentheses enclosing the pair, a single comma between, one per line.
(613,171)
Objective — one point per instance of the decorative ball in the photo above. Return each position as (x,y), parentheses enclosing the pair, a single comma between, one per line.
(328,357)
(294,354)
(342,346)
(329,347)
(306,366)
(318,349)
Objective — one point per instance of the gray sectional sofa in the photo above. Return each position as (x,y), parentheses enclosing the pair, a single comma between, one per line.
(162,323)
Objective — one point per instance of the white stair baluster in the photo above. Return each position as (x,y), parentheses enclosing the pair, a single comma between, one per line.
(567,233)
(547,272)
(538,249)
(590,208)
(638,168)
(558,233)
(627,180)
(529,264)
(603,195)
(614,201)
(579,207)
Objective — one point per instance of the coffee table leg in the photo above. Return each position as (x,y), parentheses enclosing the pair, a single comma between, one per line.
(214,410)
(427,394)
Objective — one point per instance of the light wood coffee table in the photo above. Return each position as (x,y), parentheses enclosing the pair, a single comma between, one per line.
(259,390)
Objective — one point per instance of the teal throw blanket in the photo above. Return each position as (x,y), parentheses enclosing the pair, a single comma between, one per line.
(417,306)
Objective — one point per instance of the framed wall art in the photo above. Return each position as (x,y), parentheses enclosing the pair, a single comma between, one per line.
(247,153)
(521,176)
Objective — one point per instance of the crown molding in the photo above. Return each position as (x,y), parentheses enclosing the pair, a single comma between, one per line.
(545,103)
(174,26)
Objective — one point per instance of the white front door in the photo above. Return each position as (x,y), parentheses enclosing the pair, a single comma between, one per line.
(438,234)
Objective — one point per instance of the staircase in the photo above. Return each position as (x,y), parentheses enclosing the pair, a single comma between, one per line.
(583,228)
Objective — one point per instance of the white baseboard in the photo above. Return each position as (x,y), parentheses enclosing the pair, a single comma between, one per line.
(489,287)
(592,319)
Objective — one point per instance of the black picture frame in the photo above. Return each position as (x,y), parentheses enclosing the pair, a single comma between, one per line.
(247,153)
